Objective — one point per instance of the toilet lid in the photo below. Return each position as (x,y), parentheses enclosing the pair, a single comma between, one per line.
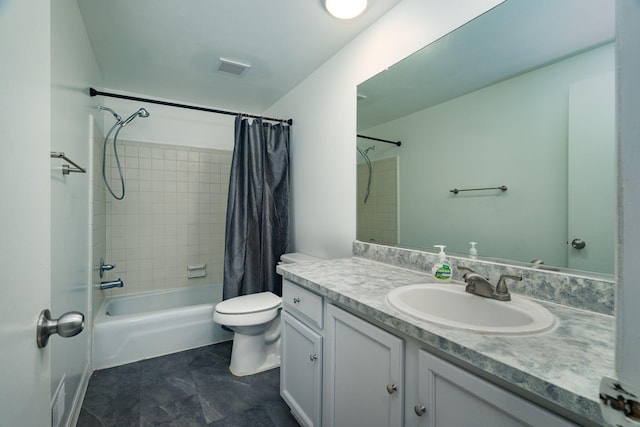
(297,257)
(249,303)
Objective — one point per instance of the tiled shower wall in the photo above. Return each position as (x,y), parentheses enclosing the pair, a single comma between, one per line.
(378,218)
(172,216)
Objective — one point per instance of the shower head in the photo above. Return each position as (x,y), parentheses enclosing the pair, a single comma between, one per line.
(140,113)
(116,115)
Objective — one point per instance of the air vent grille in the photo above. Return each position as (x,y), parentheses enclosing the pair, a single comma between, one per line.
(233,67)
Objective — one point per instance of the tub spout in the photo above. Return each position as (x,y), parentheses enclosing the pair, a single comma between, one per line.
(111,284)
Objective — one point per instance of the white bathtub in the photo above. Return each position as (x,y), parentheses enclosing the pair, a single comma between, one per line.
(136,327)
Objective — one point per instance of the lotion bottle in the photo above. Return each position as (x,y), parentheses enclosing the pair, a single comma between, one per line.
(442,270)
(473,252)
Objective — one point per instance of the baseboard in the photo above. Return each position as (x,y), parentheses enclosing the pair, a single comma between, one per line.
(74,414)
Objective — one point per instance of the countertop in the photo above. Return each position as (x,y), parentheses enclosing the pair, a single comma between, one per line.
(563,365)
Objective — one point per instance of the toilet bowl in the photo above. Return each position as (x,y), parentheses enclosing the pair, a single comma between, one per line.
(255,321)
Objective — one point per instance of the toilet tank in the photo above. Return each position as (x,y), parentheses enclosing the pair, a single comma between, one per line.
(296,257)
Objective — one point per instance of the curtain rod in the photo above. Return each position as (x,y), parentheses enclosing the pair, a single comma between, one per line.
(93,92)
(398,143)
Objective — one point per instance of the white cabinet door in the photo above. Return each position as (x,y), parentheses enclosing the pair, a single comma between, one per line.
(364,372)
(452,396)
(301,371)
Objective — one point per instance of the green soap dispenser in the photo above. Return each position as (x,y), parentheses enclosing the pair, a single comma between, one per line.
(442,270)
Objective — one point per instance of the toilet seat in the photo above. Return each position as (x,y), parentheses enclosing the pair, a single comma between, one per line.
(245,310)
(252,303)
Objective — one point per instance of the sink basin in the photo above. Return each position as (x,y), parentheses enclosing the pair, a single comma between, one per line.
(450,305)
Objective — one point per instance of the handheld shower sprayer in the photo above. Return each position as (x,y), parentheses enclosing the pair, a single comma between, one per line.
(119,124)
(140,113)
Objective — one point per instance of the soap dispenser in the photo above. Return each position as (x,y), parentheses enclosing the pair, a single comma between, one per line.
(442,270)
(473,252)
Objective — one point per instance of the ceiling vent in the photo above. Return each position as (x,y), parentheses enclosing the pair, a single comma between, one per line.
(233,67)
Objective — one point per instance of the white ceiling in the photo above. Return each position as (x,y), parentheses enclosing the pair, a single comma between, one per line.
(170,48)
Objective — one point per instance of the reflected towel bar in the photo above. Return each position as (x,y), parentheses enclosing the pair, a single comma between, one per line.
(66,169)
(456,190)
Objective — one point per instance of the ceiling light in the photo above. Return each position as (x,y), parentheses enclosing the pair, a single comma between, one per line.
(345,9)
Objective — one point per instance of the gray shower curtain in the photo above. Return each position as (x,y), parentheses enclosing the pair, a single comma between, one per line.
(257,229)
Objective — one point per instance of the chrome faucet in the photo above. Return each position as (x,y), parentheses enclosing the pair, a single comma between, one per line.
(479,285)
(111,284)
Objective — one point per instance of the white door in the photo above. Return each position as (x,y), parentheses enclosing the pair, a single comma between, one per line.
(24,210)
(592,176)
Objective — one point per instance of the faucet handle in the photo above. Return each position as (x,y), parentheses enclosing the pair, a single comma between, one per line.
(105,267)
(469,270)
(501,287)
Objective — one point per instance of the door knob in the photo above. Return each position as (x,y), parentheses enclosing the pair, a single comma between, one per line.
(67,325)
(578,243)
(420,410)
(391,388)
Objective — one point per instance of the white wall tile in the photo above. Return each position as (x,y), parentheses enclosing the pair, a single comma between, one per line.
(172,215)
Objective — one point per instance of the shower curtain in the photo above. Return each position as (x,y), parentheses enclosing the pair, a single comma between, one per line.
(257,228)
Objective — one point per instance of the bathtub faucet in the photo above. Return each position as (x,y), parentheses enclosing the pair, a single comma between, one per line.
(111,284)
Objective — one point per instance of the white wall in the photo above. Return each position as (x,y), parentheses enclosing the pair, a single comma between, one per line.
(513,133)
(323,108)
(170,125)
(73,70)
(98,219)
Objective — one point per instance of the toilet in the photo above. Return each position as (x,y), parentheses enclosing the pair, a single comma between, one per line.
(255,321)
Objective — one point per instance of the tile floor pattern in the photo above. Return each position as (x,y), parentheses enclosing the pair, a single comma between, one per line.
(190,388)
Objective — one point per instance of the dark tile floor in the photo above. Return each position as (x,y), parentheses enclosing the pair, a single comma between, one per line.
(190,388)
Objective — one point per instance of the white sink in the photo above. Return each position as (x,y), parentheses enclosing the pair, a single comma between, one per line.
(450,305)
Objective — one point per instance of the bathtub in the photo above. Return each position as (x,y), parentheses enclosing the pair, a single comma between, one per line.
(136,327)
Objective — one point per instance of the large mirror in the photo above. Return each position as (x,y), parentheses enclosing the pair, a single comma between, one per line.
(507,134)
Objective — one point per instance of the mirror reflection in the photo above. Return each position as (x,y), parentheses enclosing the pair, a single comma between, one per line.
(522,97)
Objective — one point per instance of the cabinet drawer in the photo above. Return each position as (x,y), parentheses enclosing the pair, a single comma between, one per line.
(302,303)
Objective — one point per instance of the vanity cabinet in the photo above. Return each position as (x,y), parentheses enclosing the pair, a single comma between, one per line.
(363,373)
(451,396)
(338,370)
(301,354)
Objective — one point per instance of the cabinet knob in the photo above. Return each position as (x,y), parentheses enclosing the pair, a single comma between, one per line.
(391,388)
(313,357)
(296,300)
(420,410)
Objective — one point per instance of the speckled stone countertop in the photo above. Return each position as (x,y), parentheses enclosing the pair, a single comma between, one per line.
(563,365)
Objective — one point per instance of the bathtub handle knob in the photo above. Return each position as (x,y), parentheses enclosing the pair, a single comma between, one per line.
(296,300)
(68,325)
(105,267)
